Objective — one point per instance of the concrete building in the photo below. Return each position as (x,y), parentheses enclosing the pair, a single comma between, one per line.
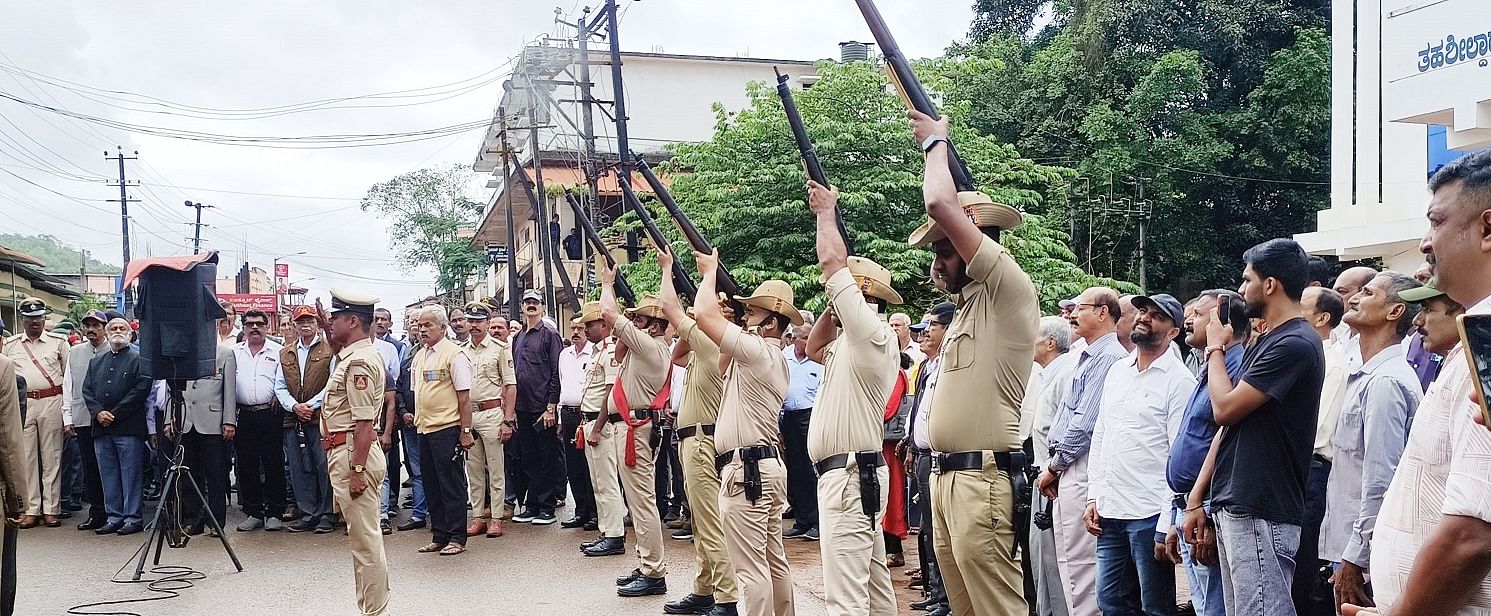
(1411,91)
(23,276)
(669,99)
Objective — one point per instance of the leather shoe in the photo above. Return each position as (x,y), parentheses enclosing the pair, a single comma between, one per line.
(723,609)
(586,544)
(130,529)
(592,525)
(939,610)
(494,529)
(476,528)
(51,521)
(924,604)
(643,586)
(411,525)
(92,524)
(385,527)
(108,528)
(629,578)
(574,522)
(27,521)
(895,561)
(307,524)
(690,604)
(609,546)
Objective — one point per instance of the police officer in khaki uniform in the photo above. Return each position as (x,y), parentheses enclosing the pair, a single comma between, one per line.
(714,590)
(640,392)
(494,390)
(600,435)
(13,478)
(860,358)
(354,398)
(41,357)
(753,482)
(974,423)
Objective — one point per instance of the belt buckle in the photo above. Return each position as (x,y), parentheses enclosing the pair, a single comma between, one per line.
(937,463)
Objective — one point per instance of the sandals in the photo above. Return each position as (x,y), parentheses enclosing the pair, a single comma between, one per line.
(452,549)
(433,547)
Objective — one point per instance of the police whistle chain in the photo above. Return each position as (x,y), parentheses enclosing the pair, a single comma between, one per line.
(724,282)
(810,160)
(910,87)
(623,290)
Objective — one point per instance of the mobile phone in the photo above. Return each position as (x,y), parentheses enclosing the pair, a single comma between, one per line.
(1224,308)
(1475,336)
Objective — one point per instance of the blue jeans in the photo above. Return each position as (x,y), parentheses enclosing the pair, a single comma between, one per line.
(120,468)
(309,478)
(1205,582)
(409,441)
(1130,580)
(1257,564)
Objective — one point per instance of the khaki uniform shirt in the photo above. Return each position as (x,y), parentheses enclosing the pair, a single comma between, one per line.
(13,474)
(755,385)
(986,357)
(703,384)
(491,368)
(859,370)
(645,367)
(50,351)
(355,391)
(600,377)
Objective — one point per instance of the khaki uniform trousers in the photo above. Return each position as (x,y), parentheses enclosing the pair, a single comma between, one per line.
(369,565)
(975,540)
(610,510)
(486,463)
(1076,549)
(701,483)
(640,484)
(753,536)
(42,436)
(856,579)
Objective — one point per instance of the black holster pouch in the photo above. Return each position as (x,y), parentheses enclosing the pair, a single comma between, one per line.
(1020,487)
(750,457)
(869,484)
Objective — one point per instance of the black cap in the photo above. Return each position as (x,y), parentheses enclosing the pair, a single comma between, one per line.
(1165,303)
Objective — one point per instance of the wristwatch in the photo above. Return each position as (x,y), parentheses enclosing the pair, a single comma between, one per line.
(358,468)
(932,141)
(511,423)
(465,430)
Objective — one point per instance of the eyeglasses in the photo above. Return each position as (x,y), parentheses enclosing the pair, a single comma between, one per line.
(255,324)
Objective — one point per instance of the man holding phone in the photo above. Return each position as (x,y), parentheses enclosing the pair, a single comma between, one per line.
(1432,543)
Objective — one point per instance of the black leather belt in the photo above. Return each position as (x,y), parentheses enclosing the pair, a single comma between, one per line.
(869,482)
(750,457)
(267,406)
(616,417)
(688,431)
(1013,463)
(570,409)
(840,461)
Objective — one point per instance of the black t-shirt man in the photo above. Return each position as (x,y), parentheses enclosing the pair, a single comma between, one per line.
(1264,459)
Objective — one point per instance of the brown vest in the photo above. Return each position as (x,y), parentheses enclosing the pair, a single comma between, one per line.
(317,371)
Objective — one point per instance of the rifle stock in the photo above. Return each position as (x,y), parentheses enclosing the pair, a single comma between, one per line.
(681,281)
(809,155)
(724,281)
(623,290)
(910,87)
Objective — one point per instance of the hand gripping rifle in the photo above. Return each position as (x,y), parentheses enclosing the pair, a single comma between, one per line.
(681,281)
(724,282)
(910,88)
(623,290)
(809,155)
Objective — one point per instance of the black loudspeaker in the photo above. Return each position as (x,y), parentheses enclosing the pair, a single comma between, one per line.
(178,313)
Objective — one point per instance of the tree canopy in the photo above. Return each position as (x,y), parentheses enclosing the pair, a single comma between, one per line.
(425,210)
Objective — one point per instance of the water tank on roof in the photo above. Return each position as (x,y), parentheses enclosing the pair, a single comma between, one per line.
(853,51)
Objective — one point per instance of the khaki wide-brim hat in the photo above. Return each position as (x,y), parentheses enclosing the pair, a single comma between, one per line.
(647,306)
(979,208)
(591,311)
(776,296)
(873,279)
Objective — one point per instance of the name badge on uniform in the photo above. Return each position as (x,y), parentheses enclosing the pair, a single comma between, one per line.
(432,376)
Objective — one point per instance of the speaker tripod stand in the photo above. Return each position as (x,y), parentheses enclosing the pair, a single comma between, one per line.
(166,523)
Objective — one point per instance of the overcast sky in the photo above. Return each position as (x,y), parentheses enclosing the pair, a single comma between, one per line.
(275,53)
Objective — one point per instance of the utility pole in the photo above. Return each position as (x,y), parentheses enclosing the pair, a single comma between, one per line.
(587,122)
(513,294)
(618,97)
(124,201)
(197,233)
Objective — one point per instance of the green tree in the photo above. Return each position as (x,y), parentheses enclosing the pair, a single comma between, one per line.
(746,190)
(425,210)
(60,258)
(1216,109)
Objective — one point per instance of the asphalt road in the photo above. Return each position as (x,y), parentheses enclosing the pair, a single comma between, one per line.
(532,570)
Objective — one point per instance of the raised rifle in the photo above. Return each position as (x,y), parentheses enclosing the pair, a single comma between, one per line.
(809,155)
(623,290)
(681,281)
(724,282)
(910,88)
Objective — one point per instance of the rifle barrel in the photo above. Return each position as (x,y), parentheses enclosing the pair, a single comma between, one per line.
(681,280)
(809,154)
(623,290)
(725,281)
